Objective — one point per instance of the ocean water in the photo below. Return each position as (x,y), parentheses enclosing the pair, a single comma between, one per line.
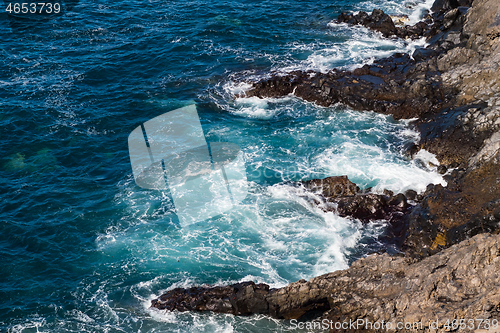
(84,249)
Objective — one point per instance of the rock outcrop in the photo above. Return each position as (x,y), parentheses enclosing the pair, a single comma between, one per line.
(396,85)
(461,282)
(402,85)
(347,200)
(452,87)
(449,234)
(383,23)
(332,187)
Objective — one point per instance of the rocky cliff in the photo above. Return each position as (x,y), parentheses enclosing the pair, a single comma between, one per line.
(451,267)
(461,282)
(452,88)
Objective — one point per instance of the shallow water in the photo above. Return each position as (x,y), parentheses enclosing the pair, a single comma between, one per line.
(84,249)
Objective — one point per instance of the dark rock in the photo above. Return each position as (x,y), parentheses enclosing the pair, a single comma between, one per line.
(451,214)
(412,149)
(422,54)
(378,21)
(414,31)
(332,187)
(450,17)
(458,283)
(399,202)
(364,207)
(448,178)
(455,173)
(239,299)
(411,194)
(396,86)
(444,5)
(442,169)
(351,202)
(443,135)
(388,193)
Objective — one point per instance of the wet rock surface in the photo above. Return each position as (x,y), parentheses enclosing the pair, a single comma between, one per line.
(396,85)
(378,21)
(332,187)
(238,299)
(371,206)
(347,200)
(459,282)
(383,23)
(469,205)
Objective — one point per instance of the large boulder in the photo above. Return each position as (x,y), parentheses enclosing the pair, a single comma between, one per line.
(444,5)
(377,21)
(345,198)
(371,206)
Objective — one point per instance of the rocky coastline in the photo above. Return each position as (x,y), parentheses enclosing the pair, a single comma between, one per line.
(449,268)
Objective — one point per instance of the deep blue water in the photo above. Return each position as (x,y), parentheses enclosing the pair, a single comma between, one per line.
(84,249)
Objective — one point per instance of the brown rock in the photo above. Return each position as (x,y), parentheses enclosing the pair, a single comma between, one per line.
(461,282)
(332,187)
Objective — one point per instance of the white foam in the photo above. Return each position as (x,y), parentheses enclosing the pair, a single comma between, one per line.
(259,108)
(80,316)
(427,157)
(419,10)
(237,88)
(279,234)
(366,165)
(335,232)
(362,46)
(36,323)
(413,9)
(161,316)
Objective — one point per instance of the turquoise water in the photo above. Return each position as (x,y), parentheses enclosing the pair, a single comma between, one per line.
(84,249)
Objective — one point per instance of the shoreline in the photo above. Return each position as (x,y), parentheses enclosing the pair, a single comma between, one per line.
(452,87)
